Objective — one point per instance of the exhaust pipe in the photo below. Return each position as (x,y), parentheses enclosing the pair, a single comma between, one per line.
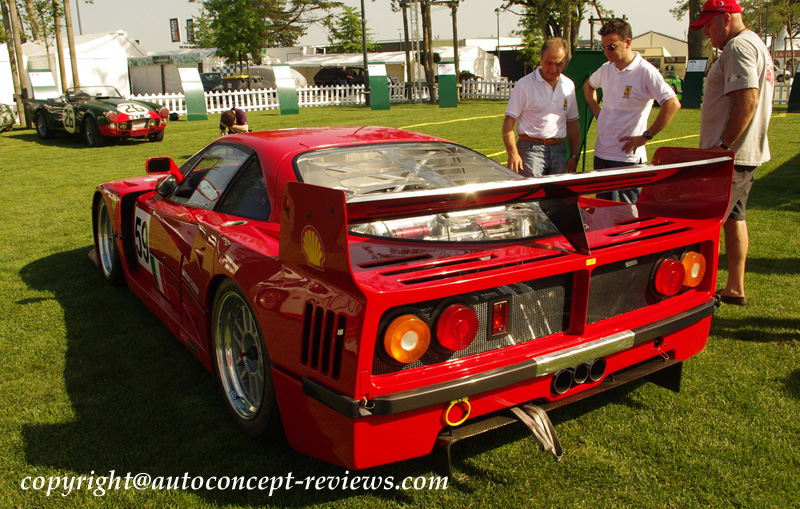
(562,381)
(597,370)
(580,373)
(587,372)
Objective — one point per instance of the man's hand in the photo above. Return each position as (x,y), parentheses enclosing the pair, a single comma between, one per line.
(572,165)
(632,142)
(514,162)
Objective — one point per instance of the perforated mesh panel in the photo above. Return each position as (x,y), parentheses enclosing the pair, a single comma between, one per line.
(536,308)
(620,288)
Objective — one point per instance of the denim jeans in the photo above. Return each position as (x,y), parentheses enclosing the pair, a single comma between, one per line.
(539,160)
(624,195)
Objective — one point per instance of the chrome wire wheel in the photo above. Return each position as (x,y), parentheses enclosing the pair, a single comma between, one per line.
(106,247)
(239,352)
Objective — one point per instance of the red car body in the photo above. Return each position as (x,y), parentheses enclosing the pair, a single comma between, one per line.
(324,294)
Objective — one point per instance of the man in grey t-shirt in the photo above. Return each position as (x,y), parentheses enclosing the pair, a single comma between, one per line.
(737,105)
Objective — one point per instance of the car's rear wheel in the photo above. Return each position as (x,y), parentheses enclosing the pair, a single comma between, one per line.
(155,137)
(91,133)
(105,245)
(42,127)
(242,363)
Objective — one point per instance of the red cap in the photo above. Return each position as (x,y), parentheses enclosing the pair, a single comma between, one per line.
(714,7)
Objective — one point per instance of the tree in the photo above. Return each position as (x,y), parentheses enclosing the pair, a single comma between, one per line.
(239,28)
(345,34)
(532,40)
(557,18)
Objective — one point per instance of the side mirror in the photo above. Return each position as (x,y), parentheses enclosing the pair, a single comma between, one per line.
(160,165)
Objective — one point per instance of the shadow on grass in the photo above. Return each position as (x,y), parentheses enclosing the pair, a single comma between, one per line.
(757,329)
(142,403)
(792,384)
(71,141)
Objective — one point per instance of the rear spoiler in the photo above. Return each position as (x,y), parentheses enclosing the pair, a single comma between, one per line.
(682,183)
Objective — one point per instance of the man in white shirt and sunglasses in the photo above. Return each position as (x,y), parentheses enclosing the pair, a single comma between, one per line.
(629,84)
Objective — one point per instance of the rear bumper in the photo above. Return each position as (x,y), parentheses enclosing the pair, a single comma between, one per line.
(405,425)
(491,380)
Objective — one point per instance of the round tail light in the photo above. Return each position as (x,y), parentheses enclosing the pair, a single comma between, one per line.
(112,116)
(407,338)
(457,327)
(695,265)
(669,277)
(164,112)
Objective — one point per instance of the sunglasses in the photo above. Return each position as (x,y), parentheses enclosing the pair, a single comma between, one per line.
(611,47)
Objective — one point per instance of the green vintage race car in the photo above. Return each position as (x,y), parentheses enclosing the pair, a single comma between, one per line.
(98,114)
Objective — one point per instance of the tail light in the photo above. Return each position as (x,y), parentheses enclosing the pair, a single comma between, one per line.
(164,112)
(407,338)
(457,327)
(112,116)
(695,265)
(500,317)
(669,276)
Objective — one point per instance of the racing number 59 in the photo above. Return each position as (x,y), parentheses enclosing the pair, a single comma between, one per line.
(141,236)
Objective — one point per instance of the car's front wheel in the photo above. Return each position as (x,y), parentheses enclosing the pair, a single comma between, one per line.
(155,137)
(91,133)
(42,127)
(242,363)
(105,245)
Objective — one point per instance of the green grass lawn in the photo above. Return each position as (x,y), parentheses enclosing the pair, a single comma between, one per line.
(91,382)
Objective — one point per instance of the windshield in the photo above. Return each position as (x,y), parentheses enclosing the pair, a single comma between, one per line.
(105,92)
(409,167)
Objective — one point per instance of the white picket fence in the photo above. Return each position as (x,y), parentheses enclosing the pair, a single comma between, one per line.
(338,95)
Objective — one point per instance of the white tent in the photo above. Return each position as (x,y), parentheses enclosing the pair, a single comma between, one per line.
(473,59)
(102,60)
(6,81)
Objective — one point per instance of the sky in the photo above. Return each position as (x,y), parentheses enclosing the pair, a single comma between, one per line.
(148,20)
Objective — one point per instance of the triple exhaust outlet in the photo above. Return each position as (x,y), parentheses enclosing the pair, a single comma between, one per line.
(588,372)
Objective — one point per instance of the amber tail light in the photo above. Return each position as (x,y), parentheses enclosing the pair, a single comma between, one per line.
(407,338)
(695,265)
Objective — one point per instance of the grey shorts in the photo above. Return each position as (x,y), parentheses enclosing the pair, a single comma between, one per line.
(743,177)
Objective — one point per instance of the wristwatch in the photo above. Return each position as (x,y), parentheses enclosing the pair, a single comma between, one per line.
(647,136)
(574,156)
(721,144)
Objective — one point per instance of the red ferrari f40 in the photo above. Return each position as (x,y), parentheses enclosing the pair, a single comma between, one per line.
(382,293)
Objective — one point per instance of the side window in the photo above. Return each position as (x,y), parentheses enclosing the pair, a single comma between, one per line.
(247,195)
(207,180)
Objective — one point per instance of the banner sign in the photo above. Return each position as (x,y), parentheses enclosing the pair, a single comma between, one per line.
(378,86)
(287,91)
(174,31)
(189,30)
(448,85)
(193,92)
(692,87)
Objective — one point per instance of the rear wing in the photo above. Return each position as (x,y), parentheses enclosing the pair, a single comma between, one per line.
(682,183)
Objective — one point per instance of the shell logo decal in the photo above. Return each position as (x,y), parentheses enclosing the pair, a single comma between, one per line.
(311,245)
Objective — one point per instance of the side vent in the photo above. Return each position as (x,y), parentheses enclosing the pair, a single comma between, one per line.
(323,340)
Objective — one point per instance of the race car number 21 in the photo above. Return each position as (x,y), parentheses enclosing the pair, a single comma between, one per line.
(141,234)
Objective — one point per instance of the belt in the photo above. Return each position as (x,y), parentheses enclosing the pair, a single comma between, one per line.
(541,141)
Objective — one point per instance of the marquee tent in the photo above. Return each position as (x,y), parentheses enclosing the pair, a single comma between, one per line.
(102,60)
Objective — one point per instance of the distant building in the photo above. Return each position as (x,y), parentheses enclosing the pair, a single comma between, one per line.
(665,52)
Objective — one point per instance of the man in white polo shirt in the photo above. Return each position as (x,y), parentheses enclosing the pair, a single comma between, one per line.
(630,84)
(544,112)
